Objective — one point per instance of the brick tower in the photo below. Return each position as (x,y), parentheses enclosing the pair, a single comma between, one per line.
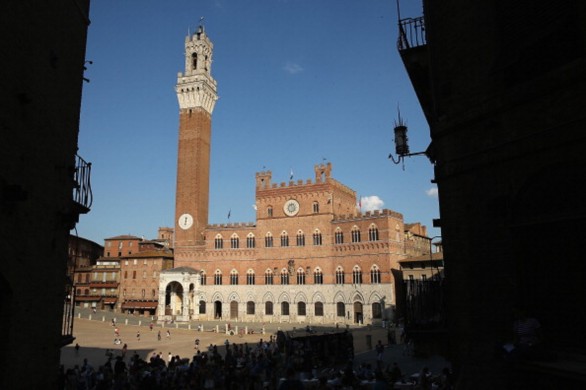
(196,92)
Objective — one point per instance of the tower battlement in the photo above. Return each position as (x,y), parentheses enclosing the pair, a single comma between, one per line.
(231,225)
(369,214)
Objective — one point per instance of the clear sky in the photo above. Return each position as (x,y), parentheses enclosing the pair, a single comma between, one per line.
(299,81)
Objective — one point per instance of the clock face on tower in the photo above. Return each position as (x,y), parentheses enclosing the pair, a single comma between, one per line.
(291,207)
(185,221)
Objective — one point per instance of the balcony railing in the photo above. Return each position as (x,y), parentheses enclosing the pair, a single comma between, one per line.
(82,191)
(411,33)
(424,304)
(67,325)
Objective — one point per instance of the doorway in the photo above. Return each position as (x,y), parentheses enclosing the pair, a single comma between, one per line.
(217,309)
(358,315)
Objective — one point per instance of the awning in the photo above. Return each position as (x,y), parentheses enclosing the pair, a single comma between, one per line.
(140,305)
(103,285)
(110,301)
(87,298)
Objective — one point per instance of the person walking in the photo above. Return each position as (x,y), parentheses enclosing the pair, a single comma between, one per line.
(159,335)
(138,335)
(380,349)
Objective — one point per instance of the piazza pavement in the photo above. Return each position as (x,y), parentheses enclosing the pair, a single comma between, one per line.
(95,335)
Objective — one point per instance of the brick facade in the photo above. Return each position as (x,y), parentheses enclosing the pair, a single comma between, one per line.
(311,256)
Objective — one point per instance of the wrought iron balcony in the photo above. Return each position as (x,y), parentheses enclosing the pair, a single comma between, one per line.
(81,203)
(413,48)
(424,304)
(411,33)
(68,305)
(82,190)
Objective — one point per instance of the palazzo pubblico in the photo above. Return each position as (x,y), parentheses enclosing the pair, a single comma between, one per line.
(310,257)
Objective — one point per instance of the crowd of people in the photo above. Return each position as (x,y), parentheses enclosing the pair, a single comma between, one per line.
(267,364)
(299,360)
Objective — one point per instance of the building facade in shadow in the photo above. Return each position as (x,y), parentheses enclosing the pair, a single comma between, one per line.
(503,86)
(44,184)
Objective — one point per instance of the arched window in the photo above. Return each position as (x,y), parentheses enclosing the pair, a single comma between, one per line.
(270,211)
(340,309)
(315,207)
(194,61)
(355,234)
(202,307)
(269,240)
(356,275)
(339,236)
(375,275)
(250,242)
(284,239)
(250,277)
(301,311)
(218,242)
(153,293)
(319,309)
(234,241)
(300,276)
(269,276)
(318,276)
(300,238)
(249,307)
(376,310)
(285,308)
(373,233)
(269,308)
(316,237)
(339,275)
(218,277)
(202,279)
(284,276)
(234,277)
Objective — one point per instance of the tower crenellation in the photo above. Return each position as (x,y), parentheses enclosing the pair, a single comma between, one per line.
(196,88)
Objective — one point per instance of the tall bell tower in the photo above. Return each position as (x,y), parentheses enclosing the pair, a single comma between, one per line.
(196,93)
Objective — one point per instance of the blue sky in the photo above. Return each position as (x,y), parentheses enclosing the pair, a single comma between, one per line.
(299,81)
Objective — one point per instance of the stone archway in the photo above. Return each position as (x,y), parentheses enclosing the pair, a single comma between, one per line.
(358,313)
(174,299)
(233,310)
(178,288)
(217,309)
